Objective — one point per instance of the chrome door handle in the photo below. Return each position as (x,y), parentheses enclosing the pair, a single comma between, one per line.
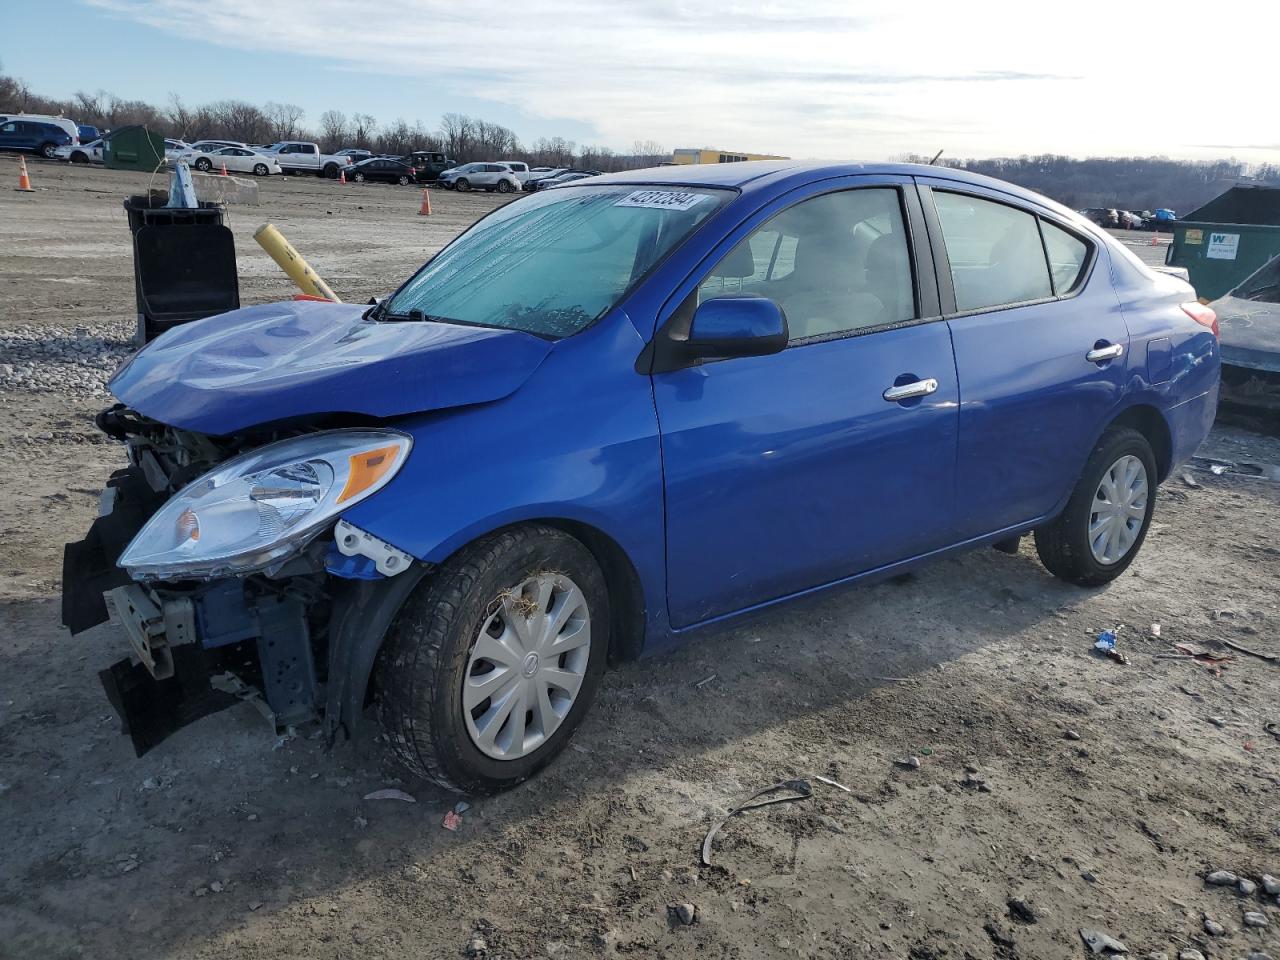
(909,391)
(1098,354)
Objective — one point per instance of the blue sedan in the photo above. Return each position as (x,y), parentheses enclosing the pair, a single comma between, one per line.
(611,415)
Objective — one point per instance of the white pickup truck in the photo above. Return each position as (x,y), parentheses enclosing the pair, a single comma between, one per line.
(301,156)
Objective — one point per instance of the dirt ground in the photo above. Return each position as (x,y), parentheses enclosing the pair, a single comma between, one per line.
(1090,793)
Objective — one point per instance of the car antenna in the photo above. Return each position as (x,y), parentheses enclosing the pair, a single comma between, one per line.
(935,158)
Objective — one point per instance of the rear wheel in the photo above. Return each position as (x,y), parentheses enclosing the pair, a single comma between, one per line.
(493,662)
(1099,533)
(504,187)
(331,171)
(49,150)
(462,183)
(204,164)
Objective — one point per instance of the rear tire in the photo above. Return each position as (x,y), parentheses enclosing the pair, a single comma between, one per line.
(431,664)
(504,187)
(204,164)
(1074,547)
(49,151)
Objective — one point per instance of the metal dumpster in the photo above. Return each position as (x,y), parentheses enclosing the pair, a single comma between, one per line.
(1227,239)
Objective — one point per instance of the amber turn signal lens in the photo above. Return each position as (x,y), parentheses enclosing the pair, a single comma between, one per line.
(367,468)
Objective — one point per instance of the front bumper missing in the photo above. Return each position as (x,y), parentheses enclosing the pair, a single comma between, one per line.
(253,638)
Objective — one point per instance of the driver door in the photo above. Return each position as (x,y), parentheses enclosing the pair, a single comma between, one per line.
(835,456)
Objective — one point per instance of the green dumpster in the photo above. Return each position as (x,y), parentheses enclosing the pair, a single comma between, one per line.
(133,148)
(1227,239)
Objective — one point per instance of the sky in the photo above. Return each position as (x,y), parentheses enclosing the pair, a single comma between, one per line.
(823,79)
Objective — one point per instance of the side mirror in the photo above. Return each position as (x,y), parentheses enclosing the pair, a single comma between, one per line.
(737,327)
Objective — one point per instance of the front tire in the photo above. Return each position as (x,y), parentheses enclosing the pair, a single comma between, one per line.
(358,178)
(260,170)
(462,184)
(493,661)
(1099,533)
(403,180)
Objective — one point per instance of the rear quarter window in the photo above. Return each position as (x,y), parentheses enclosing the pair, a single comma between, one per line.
(995,250)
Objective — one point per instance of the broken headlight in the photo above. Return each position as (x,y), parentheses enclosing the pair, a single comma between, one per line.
(263,506)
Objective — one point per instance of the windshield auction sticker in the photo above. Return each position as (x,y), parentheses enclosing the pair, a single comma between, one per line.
(661,199)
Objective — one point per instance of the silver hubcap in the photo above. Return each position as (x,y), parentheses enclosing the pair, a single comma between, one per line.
(527,666)
(1119,507)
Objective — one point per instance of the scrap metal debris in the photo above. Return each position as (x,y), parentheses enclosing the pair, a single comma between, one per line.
(1269,657)
(795,790)
(1100,942)
(390,794)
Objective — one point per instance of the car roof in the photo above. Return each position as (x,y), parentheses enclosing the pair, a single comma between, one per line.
(750,176)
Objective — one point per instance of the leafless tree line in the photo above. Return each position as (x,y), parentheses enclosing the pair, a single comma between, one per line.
(460,137)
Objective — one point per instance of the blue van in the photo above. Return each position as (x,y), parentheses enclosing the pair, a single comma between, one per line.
(33,136)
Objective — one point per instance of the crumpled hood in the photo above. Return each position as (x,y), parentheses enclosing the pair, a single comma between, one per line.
(298,358)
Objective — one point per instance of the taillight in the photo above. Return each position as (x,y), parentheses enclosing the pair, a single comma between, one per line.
(1205,316)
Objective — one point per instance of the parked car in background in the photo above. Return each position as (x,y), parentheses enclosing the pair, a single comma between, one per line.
(567,177)
(174,149)
(236,160)
(353,154)
(748,383)
(1130,220)
(429,164)
(209,146)
(381,170)
(542,173)
(88,132)
(481,176)
(69,127)
(88,152)
(34,136)
(303,156)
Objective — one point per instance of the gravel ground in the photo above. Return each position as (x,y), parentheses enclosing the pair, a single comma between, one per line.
(1006,786)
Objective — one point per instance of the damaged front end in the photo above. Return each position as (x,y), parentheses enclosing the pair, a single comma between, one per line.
(226,563)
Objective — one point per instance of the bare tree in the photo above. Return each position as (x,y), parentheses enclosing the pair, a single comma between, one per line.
(365,127)
(284,120)
(334,130)
(181,119)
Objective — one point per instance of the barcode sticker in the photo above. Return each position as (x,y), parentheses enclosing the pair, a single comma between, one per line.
(661,199)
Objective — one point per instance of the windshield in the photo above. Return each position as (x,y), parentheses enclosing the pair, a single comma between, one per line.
(554,262)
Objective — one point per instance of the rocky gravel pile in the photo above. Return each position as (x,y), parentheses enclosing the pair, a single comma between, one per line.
(72,360)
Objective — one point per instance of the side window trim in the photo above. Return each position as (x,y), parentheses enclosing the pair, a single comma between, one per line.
(942,262)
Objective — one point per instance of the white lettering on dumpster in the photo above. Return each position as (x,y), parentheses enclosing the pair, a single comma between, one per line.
(1223,246)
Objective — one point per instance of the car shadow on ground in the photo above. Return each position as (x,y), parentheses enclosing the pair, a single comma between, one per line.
(215,823)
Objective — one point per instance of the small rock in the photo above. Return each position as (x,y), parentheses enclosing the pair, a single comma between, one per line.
(1247,887)
(1253,918)
(1071,735)
(477,948)
(201,891)
(831,823)
(686,913)
(252,817)
(1213,928)
(1190,955)
(910,763)
(255,904)
(1022,911)
(216,886)
(1222,878)
(1089,876)
(1218,721)
(1270,884)
(1258,955)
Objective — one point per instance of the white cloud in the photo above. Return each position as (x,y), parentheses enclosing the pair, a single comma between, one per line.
(816,78)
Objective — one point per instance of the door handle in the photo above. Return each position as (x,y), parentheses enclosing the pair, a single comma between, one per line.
(909,391)
(1110,352)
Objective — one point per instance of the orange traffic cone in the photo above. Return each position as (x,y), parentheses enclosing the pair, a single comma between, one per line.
(425,209)
(1155,239)
(224,168)
(342,176)
(24,181)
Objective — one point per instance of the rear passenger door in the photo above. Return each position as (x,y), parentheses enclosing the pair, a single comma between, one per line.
(1041,350)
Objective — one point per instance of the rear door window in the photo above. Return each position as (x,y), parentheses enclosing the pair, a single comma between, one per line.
(996,254)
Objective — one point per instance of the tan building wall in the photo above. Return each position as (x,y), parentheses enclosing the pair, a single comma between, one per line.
(692,155)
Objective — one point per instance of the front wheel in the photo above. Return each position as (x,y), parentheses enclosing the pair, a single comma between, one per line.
(492,663)
(403,180)
(358,178)
(260,170)
(462,183)
(1099,533)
